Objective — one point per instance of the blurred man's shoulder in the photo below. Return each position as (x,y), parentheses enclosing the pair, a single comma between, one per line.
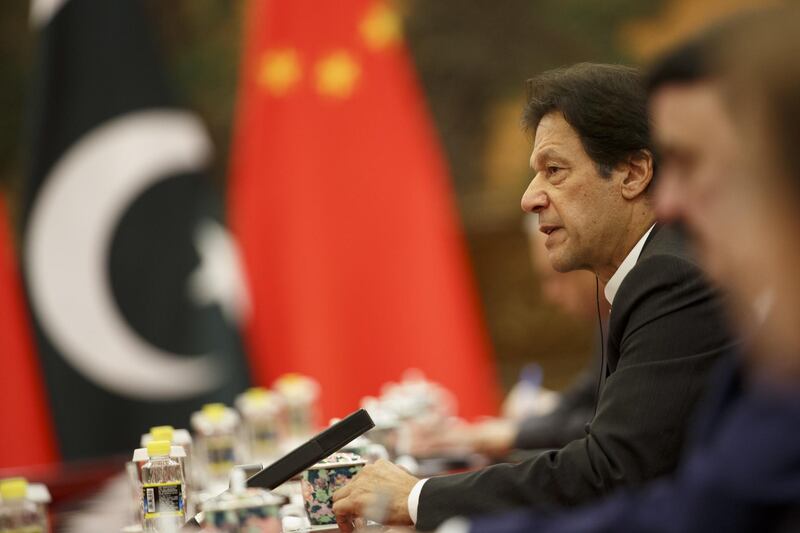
(669,240)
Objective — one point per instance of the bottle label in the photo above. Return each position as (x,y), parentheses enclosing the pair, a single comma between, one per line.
(163,499)
(266,434)
(220,454)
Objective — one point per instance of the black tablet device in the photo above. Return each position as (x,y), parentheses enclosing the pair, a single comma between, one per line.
(312,451)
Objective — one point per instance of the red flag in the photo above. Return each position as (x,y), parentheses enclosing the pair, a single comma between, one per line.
(27,430)
(343,208)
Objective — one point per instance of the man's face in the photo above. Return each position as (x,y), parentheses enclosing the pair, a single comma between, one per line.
(580,211)
(573,292)
(700,161)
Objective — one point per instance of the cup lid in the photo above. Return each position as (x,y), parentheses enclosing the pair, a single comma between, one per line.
(250,498)
(338,460)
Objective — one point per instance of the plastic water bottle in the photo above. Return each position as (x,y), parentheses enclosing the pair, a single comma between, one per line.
(218,451)
(301,396)
(178,437)
(18,512)
(163,490)
(264,423)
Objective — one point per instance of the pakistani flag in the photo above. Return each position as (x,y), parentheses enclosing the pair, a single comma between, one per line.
(132,279)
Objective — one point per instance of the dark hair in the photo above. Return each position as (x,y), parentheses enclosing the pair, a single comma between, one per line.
(698,58)
(693,61)
(605,104)
(688,63)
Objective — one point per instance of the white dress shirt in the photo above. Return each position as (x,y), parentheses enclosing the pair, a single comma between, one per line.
(413,499)
(625,267)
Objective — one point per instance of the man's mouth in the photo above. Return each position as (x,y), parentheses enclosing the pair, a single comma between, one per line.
(547,229)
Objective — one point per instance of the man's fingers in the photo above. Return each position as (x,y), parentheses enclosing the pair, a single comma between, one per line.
(357,481)
(343,492)
(380,492)
(343,507)
(352,507)
(345,524)
(346,510)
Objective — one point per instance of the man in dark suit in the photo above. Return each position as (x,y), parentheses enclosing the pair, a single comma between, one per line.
(593,168)
(572,293)
(742,474)
(727,120)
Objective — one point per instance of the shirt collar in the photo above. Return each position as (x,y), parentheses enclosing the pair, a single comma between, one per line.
(627,265)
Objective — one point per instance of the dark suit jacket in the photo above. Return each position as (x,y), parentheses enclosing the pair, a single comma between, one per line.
(741,474)
(666,331)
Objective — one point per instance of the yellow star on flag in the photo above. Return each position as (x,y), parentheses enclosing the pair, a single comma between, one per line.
(381,27)
(279,70)
(337,74)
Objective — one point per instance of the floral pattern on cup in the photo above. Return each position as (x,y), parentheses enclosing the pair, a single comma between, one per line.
(264,519)
(320,482)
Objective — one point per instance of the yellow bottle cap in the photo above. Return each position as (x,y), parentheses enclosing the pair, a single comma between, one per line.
(162,432)
(214,411)
(257,394)
(257,391)
(15,488)
(158,448)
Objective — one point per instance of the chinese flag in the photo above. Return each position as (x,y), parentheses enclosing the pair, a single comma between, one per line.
(341,201)
(28,437)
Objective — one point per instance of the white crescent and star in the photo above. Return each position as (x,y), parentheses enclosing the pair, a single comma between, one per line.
(69,236)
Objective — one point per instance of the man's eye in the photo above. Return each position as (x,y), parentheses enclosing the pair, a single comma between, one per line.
(551,169)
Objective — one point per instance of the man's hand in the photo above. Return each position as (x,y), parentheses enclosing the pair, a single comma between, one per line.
(493,436)
(445,438)
(379,492)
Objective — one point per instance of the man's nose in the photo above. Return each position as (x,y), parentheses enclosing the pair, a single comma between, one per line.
(534,199)
(668,199)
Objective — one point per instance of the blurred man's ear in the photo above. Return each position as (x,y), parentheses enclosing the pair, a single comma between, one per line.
(639,169)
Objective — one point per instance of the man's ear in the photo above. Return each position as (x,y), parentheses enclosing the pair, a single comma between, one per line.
(639,168)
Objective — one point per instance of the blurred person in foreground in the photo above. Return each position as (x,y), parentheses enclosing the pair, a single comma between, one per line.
(562,417)
(593,169)
(726,112)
